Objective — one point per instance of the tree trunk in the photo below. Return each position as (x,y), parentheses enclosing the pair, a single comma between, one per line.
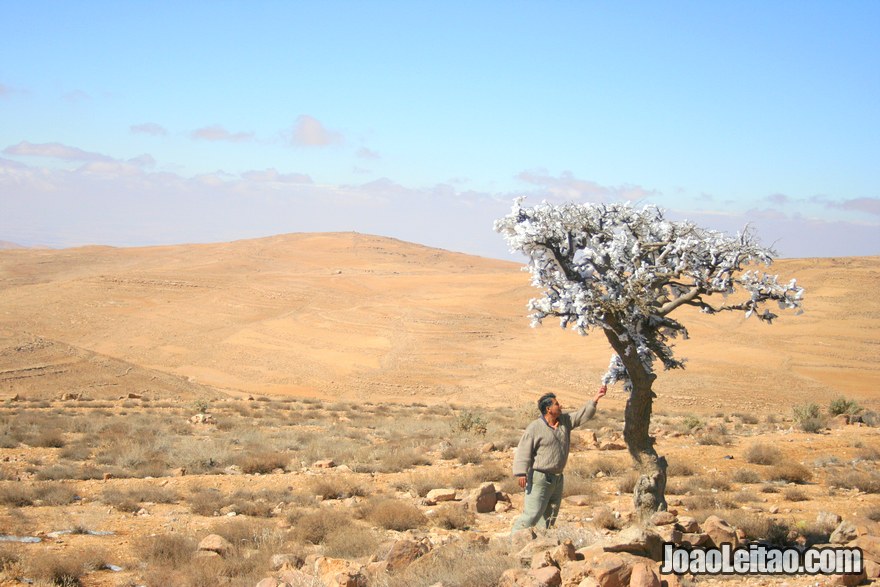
(650,489)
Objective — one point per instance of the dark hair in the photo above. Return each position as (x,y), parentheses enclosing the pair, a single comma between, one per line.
(545,402)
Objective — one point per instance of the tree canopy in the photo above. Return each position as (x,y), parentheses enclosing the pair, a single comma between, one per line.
(626,270)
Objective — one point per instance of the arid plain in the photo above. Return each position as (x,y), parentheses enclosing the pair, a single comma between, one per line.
(356,316)
(150,397)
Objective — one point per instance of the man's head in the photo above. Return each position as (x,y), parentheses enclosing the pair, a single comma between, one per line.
(547,401)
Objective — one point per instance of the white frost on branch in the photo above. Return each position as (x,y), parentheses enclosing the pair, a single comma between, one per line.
(625,270)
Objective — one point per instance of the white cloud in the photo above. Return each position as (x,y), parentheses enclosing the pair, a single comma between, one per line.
(149,128)
(365,153)
(568,187)
(218,133)
(272,176)
(309,132)
(127,203)
(54,151)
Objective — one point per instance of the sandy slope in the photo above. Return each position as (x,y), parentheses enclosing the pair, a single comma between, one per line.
(363,317)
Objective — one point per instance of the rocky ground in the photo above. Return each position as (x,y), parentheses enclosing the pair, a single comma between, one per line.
(219,491)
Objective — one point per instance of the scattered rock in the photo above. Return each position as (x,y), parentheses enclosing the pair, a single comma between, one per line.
(644,575)
(637,541)
(487,448)
(438,495)
(202,419)
(612,570)
(845,532)
(564,553)
(484,498)
(215,543)
(334,572)
(324,464)
(280,562)
(828,519)
(688,524)
(720,532)
(611,445)
(546,576)
(663,518)
(404,552)
(503,506)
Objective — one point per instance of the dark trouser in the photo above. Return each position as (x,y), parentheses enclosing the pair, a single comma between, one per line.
(543,498)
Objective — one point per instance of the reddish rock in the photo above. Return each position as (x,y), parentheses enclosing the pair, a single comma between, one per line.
(644,575)
(720,532)
(564,553)
(612,570)
(546,577)
(403,553)
(663,518)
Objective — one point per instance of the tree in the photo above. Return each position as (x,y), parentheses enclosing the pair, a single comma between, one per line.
(625,271)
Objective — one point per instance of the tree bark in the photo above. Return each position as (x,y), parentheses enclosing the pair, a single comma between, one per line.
(650,489)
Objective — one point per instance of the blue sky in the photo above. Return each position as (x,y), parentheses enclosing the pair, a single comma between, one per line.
(135,123)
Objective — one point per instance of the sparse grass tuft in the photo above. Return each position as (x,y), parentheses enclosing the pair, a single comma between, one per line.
(452,516)
(763,454)
(790,473)
(746,476)
(393,514)
(866,482)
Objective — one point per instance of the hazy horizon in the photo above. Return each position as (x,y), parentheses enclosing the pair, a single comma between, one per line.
(134,125)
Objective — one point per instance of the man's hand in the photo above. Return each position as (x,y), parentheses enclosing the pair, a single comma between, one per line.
(522,481)
(602,391)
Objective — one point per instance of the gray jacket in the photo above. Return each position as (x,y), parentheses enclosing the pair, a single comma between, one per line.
(544,449)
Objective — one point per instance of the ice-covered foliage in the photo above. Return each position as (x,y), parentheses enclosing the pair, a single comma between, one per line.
(626,269)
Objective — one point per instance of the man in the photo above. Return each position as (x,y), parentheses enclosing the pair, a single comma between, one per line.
(541,456)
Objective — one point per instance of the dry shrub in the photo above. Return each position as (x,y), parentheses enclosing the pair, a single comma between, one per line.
(350,542)
(60,471)
(64,570)
(794,494)
(47,439)
(75,452)
(337,487)
(627,483)
(452,516)
(262,462)
(315,527)
(873,513)
(744,496)
(746,476)
(419,484)
(204,501)
(393,514)
(607,466)
(867,482)
(603,517)
(757,526)
(171,551)
(713,436)
(249,534)
(17,495)
(128,500)
(707,482)
(575,484)
(790,473)
(397,460)
(679,469)
(455,564)
(763,454)
(747,418)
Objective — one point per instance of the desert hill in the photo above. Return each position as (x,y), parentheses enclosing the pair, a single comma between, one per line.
(358,317)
